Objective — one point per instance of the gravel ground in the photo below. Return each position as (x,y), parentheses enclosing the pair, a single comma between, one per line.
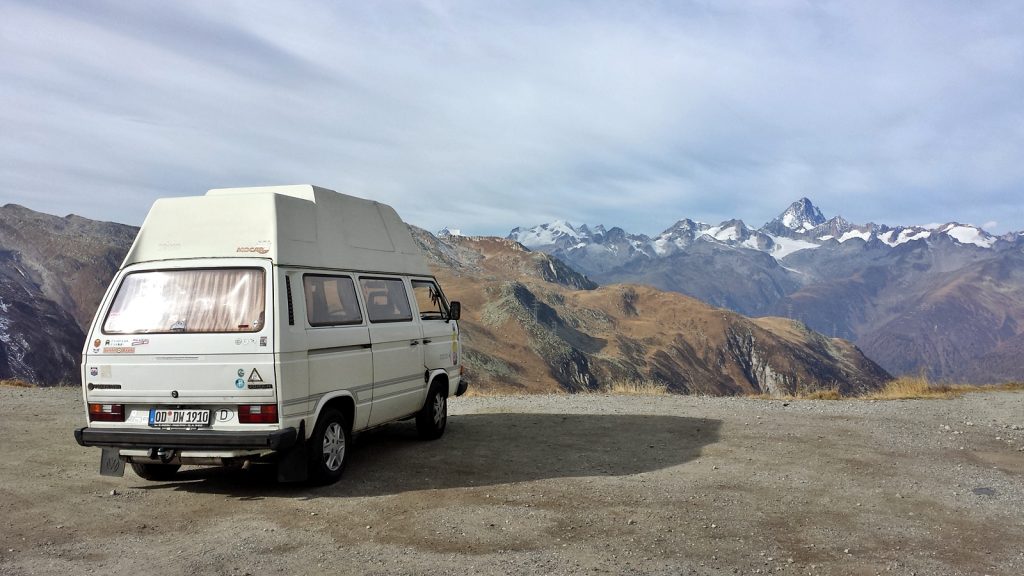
(551,485)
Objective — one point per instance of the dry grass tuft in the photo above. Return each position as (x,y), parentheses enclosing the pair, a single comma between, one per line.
(14,383)
(826,394)
(478,392)
(638,388)
(904,388)
(830,394)
(916,387)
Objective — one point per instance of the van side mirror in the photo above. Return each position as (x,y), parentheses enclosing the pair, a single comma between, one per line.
(454,310)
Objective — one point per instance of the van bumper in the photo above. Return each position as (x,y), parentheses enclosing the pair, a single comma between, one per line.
(187,440)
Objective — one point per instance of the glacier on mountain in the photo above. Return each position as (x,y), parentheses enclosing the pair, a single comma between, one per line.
(968,235)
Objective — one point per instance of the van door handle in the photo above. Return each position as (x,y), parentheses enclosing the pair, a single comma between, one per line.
(426,341)
(414,343)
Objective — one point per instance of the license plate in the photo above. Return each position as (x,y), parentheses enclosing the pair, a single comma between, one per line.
(178,417)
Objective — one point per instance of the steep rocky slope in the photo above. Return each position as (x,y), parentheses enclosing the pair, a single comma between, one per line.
(53,271)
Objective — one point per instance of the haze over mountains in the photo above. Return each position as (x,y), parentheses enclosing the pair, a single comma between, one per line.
(945,300)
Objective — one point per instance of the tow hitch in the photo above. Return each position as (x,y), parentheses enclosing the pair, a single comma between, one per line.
(162,454)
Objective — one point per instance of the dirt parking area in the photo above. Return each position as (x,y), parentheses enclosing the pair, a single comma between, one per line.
(584,484)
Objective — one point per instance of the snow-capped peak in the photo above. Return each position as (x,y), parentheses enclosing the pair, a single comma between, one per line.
(728,231)
(546,234)
(687,225)
(447,232)
(678,236)
(800,217)
(801,227)
(967,234)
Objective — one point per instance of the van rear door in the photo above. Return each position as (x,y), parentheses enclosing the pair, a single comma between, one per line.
(197,332)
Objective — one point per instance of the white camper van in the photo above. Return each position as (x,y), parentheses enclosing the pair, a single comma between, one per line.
(268,325)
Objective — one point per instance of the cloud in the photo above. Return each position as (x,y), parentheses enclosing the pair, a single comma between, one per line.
(487,115)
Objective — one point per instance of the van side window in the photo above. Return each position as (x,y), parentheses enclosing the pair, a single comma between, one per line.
(386,300)
(331,300)
(429,300)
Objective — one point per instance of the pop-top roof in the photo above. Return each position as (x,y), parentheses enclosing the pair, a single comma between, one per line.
(299,225)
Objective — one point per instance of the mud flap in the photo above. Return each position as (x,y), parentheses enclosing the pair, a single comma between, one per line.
(111,463)
(293,465)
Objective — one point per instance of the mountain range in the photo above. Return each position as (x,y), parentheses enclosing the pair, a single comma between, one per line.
(530,323)
(947,300)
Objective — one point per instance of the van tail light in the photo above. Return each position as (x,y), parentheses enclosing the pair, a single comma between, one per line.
(257,413)
(106,412)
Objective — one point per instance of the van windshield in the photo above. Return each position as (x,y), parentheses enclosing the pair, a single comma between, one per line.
(188,301)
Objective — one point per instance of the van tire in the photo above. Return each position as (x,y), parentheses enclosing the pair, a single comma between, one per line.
(155,472)
(328,448)
(433,417)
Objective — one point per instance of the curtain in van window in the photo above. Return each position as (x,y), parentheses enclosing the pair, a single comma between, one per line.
(189,301)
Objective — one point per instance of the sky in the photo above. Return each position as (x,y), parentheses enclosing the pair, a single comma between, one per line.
(484,116)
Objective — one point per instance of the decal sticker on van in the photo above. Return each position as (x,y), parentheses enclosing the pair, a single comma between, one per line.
(119,350)
(252,250)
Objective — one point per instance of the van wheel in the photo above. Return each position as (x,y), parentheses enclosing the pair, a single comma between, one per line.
(155,472)
(432,418)
(328,448)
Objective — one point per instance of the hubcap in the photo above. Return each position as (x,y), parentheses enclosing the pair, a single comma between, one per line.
(439,409)
(334,446)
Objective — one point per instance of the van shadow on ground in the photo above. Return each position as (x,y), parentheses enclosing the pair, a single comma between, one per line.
(482,450)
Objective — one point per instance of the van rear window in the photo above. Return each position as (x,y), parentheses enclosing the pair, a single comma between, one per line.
(189,301)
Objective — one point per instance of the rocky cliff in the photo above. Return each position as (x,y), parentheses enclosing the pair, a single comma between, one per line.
(53,272)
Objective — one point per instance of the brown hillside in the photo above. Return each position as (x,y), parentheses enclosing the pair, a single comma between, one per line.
(528,327)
